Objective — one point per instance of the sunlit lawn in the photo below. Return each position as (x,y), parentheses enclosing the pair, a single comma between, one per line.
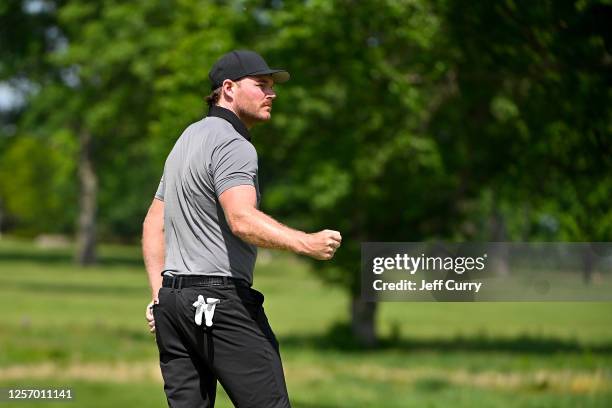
(65,326)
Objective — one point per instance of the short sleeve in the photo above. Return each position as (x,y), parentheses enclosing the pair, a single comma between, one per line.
(234,163)
(161,190)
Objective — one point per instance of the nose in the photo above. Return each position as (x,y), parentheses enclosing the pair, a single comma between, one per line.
(270,93)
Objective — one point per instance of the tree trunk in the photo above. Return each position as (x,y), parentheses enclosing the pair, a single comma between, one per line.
(588,260)
(499,258)
(363,321)
(1,218)
(88,192)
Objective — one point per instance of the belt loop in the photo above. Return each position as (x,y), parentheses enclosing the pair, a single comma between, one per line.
(173,280)
(180,283)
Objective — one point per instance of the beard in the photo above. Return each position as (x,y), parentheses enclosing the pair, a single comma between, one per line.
(252,114)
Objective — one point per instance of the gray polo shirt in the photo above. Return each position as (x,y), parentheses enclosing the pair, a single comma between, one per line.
(211,156)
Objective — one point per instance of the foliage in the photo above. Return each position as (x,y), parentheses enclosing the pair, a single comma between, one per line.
(45,169)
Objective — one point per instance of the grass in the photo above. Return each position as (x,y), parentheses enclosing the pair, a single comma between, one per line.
(83,328)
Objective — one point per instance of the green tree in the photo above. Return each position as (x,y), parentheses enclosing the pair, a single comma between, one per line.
(352,131)
(402,117)
(531,125)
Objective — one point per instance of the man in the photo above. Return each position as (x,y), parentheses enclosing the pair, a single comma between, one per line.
(201,234)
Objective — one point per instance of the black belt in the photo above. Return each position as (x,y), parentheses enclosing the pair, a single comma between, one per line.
(182,281)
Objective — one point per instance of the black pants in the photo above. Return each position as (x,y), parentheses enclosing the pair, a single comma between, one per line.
(240,349)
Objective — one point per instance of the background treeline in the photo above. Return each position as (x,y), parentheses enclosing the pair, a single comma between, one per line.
(403,120)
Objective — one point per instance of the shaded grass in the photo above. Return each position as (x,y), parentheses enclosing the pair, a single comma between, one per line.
(339,338)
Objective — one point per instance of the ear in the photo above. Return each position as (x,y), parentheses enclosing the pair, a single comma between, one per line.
(228,87)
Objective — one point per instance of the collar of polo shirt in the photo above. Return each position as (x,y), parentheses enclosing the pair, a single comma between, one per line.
(219,112)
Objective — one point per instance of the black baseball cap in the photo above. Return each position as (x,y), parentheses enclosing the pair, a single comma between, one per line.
(240,63)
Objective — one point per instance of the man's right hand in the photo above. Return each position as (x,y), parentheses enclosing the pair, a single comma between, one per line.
(322,245)
(149,315)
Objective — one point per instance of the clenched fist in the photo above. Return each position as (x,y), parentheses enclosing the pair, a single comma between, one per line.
(322,245)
